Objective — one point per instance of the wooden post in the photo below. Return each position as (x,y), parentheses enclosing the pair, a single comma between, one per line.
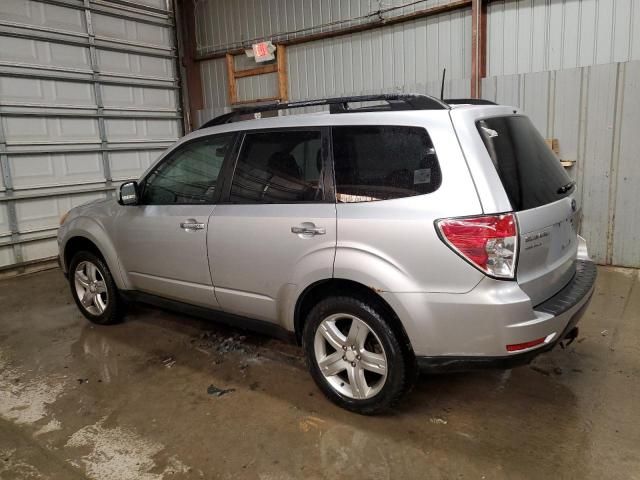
(478,46)
(231,77)
(283,77)
(187,31)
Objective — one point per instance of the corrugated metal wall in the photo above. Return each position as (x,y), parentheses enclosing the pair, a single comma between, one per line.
(536,35)
(407,57)
(88,97)
(594,112)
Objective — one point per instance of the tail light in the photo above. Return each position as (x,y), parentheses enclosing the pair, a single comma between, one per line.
(489,242)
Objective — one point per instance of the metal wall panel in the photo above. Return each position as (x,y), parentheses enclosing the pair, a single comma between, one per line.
(88,98)
(219,26)
(408,57)
(536,35)
(593,112)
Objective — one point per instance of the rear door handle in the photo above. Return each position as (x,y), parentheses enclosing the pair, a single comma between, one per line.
(191,225)
(304,230)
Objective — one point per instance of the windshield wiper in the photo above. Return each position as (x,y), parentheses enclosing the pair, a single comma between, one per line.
(565,188)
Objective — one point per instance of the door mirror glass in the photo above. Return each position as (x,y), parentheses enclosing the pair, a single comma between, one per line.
(128,193)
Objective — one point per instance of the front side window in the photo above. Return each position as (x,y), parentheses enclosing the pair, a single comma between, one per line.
(279,167)
(189,175)
(383,162)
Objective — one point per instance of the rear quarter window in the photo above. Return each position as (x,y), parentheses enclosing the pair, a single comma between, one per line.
(383,162)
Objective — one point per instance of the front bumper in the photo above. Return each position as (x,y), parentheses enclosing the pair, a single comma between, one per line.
(559,313)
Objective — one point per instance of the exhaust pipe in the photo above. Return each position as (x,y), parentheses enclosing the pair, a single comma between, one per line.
(569,337)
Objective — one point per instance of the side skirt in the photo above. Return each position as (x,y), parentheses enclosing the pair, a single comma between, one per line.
(218,316)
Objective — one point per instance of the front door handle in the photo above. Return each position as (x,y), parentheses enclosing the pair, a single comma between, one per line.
(191,225)
(308,229)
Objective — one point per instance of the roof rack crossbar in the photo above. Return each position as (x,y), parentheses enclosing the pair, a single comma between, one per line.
(400,101)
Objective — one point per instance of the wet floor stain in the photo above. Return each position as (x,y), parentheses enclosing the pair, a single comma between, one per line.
(133,401)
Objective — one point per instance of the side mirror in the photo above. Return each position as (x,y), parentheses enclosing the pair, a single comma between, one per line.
(128,193)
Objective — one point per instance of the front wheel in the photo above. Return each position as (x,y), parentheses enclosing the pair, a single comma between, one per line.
(355,356)
(94,290)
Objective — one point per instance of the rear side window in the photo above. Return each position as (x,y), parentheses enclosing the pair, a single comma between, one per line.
(279,167)
(530,173)
(383,162)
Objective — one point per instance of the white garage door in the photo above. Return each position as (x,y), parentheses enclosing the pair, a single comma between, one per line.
(89,96)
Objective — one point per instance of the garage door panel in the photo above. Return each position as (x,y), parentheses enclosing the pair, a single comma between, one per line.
(42,15)
(4,220)
(119,130)
(33,171)
(44,213)
(47,129)
(49,92)
(124,96)
(55,148)
(128,165)
(39,249)
(6,256)
(135,64)
(130,30)
(37,52)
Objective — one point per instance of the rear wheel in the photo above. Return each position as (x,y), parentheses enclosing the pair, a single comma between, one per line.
(94,290)
(354,355)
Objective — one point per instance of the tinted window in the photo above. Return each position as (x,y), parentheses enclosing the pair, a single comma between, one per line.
(189,175)
(279,167)
(531,174)
(382,163)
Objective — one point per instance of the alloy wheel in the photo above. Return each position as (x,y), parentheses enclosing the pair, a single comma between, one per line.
(350,356)
(91,288)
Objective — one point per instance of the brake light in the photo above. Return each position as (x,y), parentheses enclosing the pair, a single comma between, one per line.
(489,242)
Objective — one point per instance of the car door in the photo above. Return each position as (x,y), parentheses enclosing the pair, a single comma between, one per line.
(162,241)
(276,228)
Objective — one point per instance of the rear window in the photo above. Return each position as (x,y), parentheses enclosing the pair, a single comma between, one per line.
(383,162)
(530,172)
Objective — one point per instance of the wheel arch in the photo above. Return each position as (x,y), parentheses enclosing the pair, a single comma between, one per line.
(322,289)
(86,234)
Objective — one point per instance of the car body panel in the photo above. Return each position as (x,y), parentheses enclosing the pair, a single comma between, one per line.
(256,258)
(161,258)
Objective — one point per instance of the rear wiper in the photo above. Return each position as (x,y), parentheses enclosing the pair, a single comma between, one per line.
(565,188)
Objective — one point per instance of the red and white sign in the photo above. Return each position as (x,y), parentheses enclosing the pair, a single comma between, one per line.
(263,51)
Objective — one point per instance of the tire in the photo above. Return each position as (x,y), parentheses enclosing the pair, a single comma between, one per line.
(90,278)
(329,328)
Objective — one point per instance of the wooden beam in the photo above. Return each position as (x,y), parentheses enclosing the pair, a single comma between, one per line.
(478,46)
(283,77)
(425,12)
(231,79)
(187,30)
(257,100)
(273,68)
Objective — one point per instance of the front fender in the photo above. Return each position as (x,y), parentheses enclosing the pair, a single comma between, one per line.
(89,228)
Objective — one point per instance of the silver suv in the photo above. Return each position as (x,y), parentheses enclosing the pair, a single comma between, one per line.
(407,234)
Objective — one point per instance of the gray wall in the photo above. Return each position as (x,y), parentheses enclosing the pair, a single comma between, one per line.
(569,64)
(594,112)
(536,35)
(88,97)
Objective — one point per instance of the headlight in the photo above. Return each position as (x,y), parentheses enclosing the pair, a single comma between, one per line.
(63,218)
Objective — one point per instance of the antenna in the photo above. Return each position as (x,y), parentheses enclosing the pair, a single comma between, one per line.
(444,73)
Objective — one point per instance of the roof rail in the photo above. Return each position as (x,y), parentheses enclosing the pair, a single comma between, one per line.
(469,101)
(400,101)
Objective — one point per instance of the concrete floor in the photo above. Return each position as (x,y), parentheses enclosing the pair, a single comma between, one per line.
(131,402)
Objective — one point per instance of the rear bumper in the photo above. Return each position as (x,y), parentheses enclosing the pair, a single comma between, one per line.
(445,364)
(472,330)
